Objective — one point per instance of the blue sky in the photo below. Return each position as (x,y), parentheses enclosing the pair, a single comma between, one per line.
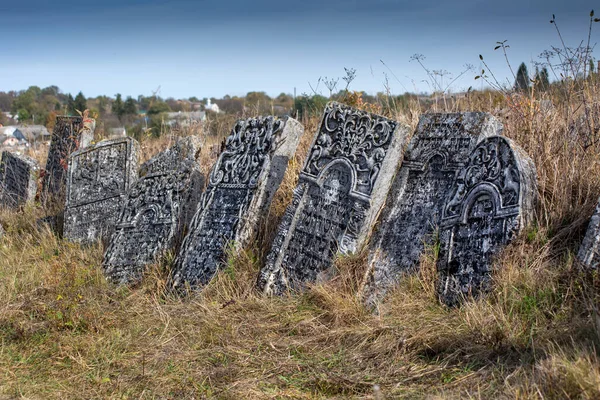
(212,48)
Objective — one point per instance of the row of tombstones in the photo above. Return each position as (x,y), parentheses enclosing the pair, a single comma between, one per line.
(459,184)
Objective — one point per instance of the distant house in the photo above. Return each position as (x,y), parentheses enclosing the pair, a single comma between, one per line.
(12,142)
(34,133)
(117,132)
(183,118)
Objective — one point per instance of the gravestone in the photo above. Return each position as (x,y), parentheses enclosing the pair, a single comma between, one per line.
(439,148)
(98,180)
(156,212)
(589,251)
(240,188)
(68,135)
(490,202)
(18,179)
(341,189)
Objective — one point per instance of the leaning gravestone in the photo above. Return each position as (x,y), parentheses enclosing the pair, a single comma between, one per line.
(156,212)
(98,180)
(589,251)
(341,189)
(491,201)
(18,179)
(69,134)
(440,147)
(241,186)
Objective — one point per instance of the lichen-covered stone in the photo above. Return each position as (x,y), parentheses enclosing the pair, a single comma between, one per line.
(156,213)
(98,180)
(18,179)
(69,134)
(589,251)
(439,148)
(240,188)
(489,204)
(341,189)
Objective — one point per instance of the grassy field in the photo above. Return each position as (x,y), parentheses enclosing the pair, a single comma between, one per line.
(66,333)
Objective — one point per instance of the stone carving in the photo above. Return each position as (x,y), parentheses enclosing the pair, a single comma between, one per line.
(589,251)
(18,179)
(490,202)
(156,212)
(240,188)
(341,189)
(98,180)
(69,134)
(439,148)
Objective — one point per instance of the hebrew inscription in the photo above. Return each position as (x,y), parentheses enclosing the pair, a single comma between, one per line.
(589,251)
(97,184)
(241,186)
(490,202)
(341,189)
(68,135)
(440,147)
(156,212)
(18,179)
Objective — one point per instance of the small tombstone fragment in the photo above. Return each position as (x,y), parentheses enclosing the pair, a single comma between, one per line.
(240,188)
(341,189)
(156,212)
(439,149)
(69,134)
(18,179)
(589,251)
(491,201)
(98,180)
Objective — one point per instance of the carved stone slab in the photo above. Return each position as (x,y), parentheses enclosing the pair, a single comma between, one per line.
(69,134)
(18,179)
(241,186)
(589,251)
(439,148)
(98,180)
(490,202)
(341,189)
(156,212)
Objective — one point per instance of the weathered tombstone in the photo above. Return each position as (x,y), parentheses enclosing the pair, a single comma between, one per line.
(439,149)
(18,179)
(98,180)
(156,212)
(589,251)
(240,188)
(341,189)
(69,134)
(491,201)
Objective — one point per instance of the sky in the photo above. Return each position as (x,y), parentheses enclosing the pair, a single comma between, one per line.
(203,48)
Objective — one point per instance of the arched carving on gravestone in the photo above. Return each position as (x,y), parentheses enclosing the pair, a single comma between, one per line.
(156,212)
(490,203)
(341,188)
(241,185)
(439,148)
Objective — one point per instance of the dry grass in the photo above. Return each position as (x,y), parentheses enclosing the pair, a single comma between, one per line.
(65,333)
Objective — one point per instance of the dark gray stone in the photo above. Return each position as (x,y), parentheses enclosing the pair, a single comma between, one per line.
(98,180)
(439,148)
(241,186)
(491,201)
(589,251)
(341,189)
(69,134)
(18,179)
(156,213)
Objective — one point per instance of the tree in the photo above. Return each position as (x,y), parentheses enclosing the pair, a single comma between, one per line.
(522,79)
(117,106)
(158,107)
(129,108)
(80,103)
